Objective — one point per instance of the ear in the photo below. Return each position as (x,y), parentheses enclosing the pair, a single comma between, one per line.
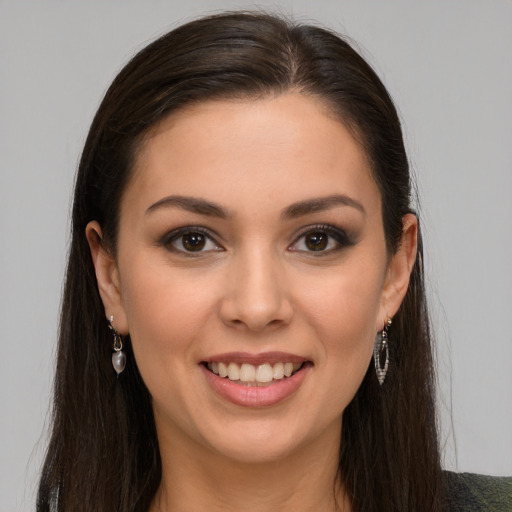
(399,270)
(107,276)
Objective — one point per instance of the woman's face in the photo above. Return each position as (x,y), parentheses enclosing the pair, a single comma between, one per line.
(251,243)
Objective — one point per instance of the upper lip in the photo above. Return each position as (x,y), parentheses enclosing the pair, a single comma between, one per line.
(255,359)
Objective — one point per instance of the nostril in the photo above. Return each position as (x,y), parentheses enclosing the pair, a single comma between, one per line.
(255,297)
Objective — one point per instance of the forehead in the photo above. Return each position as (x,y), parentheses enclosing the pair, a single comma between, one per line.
(287,147)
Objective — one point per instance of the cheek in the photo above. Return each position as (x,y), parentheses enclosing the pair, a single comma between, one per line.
(343,308)
(346,327)
(347,301)
(166,313)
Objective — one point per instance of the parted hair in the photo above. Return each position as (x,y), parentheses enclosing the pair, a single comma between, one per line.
(103,453)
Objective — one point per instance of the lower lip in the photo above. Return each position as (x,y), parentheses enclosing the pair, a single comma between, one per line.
(256,396)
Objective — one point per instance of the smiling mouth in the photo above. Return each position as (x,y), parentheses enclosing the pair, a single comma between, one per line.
(254,375)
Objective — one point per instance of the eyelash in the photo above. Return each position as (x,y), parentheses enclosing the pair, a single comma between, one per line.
(175,236)
(339,236)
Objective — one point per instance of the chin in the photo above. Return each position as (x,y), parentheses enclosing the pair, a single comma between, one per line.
(247,449)
(265,441)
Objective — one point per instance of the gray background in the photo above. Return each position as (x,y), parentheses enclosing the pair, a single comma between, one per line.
(448,65)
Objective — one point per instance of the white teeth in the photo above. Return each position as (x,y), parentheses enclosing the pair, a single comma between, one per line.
(264,373)
(278,371)
(246,372)
(233,371)
(223,370)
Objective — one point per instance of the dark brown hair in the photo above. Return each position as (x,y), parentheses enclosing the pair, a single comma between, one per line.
(103,454)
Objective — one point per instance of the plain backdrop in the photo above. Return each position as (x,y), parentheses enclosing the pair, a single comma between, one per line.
(448,65)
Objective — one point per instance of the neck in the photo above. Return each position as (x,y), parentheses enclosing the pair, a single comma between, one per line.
(194,479)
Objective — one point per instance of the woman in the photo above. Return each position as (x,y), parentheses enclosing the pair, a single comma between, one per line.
(243,245)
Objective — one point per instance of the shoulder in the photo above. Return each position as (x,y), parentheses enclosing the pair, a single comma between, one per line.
(468,492)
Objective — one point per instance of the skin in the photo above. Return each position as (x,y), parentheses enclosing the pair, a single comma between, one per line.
(256,286)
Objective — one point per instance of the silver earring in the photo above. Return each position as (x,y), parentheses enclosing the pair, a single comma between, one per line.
(381,349)
(118,357)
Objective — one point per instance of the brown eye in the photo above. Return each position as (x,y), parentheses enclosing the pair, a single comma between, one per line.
(316,241)
(193,242)
(322,240)
(190,240)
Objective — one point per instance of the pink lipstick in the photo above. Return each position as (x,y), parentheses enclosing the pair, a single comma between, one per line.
(255,380)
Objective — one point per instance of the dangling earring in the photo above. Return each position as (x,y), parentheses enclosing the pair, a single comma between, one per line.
(381,348)
(118,357)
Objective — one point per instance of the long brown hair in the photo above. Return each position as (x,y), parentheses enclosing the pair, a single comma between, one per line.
(103,454)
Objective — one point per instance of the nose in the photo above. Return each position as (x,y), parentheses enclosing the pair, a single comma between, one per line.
(256,296)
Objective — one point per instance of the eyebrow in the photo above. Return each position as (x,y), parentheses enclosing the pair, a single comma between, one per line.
(320,204)
(191,204)
(204,207)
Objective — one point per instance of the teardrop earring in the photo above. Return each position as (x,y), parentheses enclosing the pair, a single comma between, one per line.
(118,357)
(380,349)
